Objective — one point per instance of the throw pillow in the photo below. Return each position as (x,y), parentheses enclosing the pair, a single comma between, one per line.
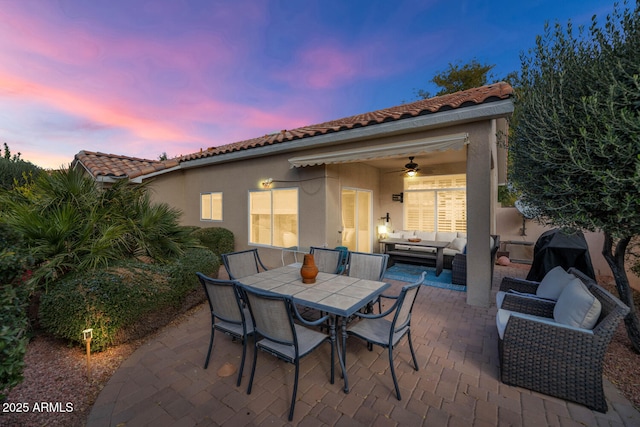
(577,306)
(446,236)
(458,244)
(553,283)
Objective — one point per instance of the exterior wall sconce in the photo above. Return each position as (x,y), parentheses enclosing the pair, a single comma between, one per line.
(267,183)
(384,228)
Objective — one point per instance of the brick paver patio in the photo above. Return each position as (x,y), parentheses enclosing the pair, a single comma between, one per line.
(163,383)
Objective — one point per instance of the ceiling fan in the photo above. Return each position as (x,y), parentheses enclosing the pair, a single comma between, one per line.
(411,168)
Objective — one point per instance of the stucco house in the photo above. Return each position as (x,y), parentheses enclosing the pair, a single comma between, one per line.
(334,183)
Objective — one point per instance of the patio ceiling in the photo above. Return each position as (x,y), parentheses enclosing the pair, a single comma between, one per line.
(398,151)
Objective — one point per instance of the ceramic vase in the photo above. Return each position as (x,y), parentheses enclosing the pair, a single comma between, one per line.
(309,270)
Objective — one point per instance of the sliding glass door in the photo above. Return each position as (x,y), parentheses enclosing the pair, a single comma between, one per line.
(357,219)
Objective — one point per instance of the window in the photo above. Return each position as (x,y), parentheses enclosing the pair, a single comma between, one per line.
(273,217)
(436,203)
(211,206)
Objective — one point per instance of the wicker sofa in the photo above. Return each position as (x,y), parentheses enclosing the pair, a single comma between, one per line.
(459,263)
(422,255)
(540,354)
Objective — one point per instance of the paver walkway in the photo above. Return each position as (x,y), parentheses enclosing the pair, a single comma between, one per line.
(163,383)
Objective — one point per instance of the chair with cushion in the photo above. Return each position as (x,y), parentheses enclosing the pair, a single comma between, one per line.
(243,263)
(376,329)
(277,334)
(327,260)
(227,314)
(459,263)
(557,347)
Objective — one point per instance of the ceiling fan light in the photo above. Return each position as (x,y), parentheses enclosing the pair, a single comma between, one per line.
(411,173)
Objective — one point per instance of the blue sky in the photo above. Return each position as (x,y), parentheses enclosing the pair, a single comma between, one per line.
(139,78)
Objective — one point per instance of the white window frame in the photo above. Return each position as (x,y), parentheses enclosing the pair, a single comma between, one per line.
(435,192)
(272,216)
(211,209)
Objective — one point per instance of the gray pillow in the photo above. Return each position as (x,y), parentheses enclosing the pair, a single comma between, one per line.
(553,283)
(577,306)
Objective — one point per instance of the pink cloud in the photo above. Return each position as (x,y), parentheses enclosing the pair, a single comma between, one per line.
(111,115)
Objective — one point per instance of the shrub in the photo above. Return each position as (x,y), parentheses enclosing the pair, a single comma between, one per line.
(71,224)
(219,240)
(112,300)
(14,171)
(13,336)
(13,317)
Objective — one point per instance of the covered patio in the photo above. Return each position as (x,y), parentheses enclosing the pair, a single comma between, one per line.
(164,383)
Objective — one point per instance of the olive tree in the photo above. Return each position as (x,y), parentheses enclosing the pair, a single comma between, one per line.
(459,77)
(575,142)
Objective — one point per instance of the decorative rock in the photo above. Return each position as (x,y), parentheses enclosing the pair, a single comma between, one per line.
(503,260)
(226,370)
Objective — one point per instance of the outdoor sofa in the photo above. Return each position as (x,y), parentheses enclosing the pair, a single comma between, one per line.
(459,263)
(423,255)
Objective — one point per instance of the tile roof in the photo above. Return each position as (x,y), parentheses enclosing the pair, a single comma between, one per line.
(115,166)
(100,164)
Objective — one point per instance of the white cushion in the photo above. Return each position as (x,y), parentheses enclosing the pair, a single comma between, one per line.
(463,235)
(446,236)
(396,235)
(426,235)
(577,306)
(502,318)
(450,252)
(423,249)
(403,247)
(458,244)
(408,233)
(553,283)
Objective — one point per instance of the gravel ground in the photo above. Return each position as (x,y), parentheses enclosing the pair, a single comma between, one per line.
(57,392)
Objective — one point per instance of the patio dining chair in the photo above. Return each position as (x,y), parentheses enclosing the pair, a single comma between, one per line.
(327,260)
(375,329)
(368,266)
(227,314)
(242,263)
(277,334)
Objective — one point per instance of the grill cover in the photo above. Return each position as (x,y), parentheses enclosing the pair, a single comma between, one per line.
(564,248)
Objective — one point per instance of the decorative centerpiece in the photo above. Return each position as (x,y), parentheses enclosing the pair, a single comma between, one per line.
(309,269)
(414,239)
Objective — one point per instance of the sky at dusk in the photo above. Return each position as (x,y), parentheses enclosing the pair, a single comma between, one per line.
(144,77)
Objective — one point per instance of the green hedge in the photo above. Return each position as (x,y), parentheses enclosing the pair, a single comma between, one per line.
(13,336)
(14,324)
(219,240)
(114,299)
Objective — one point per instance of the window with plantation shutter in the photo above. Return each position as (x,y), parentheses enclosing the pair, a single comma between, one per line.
(436,203)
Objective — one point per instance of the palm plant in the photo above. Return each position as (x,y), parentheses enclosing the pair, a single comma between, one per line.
(69,223)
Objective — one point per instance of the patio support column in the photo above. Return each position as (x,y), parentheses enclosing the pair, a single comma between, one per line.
(479,220)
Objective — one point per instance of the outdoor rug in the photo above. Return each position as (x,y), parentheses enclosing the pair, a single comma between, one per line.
(411,273)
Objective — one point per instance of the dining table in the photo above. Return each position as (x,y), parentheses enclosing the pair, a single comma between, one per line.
(338,295)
